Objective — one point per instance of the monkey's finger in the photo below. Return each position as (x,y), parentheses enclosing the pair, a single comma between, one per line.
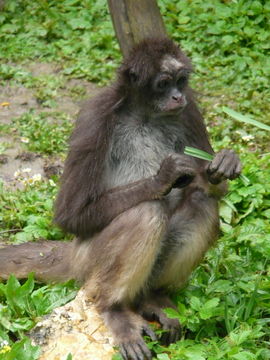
(129,353)
(146,352)
(149,332)
(228,166)
(174,335)
(237,170)
(138,352)
(215,178)
(184,180)
(216,162)
(123,352)
(164,339)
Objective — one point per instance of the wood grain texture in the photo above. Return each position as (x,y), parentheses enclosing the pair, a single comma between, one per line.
(134,21)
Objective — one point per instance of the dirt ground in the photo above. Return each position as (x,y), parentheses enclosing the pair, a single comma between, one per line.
(14,102)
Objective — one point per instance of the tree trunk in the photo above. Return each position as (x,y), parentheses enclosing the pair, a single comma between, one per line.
(135,20)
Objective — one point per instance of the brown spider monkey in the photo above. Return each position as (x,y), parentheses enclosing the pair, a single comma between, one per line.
(143,213)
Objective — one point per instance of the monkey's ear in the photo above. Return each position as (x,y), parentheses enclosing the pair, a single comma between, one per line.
(133,77)
(136,75)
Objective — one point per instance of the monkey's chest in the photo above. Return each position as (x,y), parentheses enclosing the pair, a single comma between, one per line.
(136,153)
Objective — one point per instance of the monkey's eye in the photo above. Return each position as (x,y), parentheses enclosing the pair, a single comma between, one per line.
(182,81)
(163,84)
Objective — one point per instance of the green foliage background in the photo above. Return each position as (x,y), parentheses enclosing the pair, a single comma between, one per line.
(225,308)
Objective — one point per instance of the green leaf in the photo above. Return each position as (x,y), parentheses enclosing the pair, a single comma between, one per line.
(221,286)
(241,337)
(79,24)
(226,213)
(22,237)
(208,309)
(5,317)
(13,301)
(195,303)
(23,323)
(117,357)
(163,357)
(243,118)
(23,350)
(9,28)
(183,19)
(171,313)
(48,297)
(244,355)
(17,294)
(195,354)
(200,154)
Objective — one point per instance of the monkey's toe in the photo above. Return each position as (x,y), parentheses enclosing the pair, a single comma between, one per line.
(149,332)
(172,331)
(135,351)
(170,336)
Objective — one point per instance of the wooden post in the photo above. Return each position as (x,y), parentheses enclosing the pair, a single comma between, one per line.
(135,20)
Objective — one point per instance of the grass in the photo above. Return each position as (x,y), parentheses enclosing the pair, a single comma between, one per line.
(46,132)
(225,308)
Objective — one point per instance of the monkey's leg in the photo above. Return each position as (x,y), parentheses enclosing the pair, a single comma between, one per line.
(192,230)
(152,308)
(118,262)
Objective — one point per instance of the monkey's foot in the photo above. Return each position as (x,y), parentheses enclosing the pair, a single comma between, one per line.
(136,349)
(172,331)
(153,310)
(127,328)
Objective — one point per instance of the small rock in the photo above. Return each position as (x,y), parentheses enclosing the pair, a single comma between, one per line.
(3,159)
(27,156)
(53,169)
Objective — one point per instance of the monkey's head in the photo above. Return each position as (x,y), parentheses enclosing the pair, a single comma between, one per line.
(156,74)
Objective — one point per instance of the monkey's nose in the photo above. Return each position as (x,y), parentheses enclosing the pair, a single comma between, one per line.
(177,98)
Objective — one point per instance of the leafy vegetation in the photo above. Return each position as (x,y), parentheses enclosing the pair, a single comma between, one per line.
(26,214)
(44,132)
(50,30)
(20,308)
(225,309)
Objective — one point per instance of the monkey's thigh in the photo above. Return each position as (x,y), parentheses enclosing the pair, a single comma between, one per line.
(121,257)
(192,230)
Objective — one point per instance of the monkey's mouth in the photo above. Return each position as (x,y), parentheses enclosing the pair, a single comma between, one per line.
(173,109)
(175,106)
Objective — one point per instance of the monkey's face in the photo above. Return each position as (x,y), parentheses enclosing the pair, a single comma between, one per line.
(169,86)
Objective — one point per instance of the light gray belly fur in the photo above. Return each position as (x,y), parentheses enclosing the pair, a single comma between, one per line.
(137,151)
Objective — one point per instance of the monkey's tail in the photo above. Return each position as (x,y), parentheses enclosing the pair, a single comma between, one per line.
(49,260)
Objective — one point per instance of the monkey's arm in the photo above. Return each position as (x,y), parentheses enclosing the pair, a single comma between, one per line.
(94,215)
(83,212)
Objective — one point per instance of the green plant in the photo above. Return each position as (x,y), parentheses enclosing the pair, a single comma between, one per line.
(26,214)
(21,306)
(45,132)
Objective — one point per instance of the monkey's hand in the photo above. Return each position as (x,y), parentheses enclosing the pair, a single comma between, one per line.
(175,172)
(225,165)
